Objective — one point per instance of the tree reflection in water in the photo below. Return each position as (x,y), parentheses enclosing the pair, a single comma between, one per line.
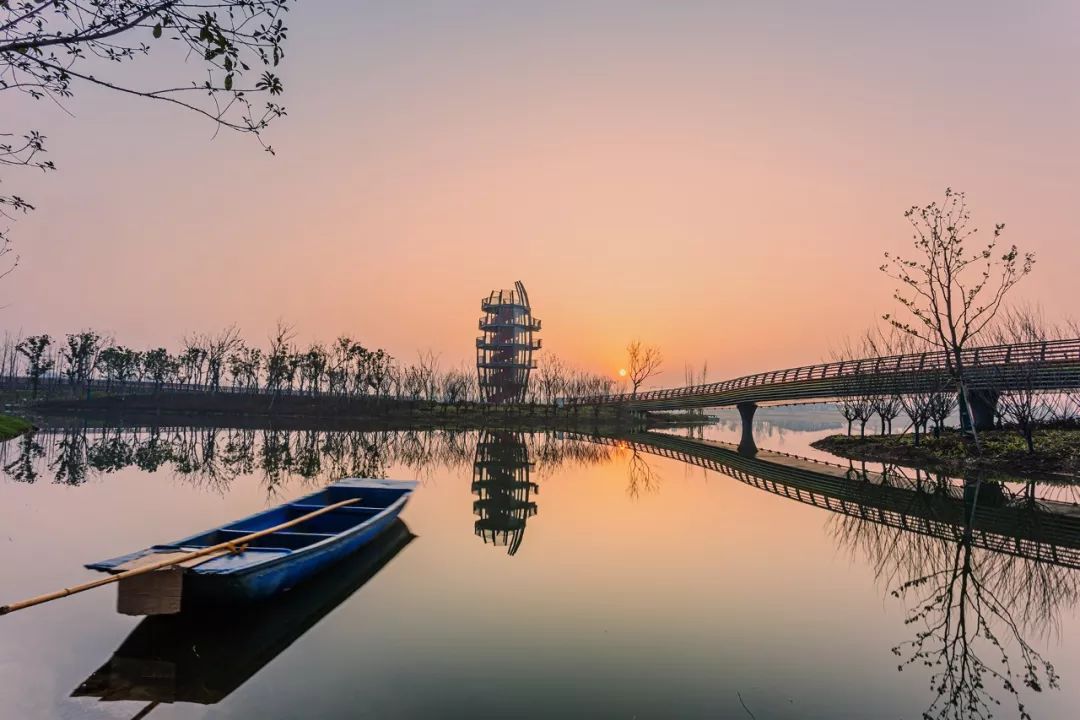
(24,467)
(642,477)
(214,457)
(973,603)
(972,606)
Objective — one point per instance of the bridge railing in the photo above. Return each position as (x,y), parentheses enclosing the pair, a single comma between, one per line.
(987,356)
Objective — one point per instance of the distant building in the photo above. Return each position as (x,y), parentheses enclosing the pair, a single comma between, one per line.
(504,353)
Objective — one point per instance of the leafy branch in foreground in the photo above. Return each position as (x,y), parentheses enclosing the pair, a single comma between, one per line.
(48,48)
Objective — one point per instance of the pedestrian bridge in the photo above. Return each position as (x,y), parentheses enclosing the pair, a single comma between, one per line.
(1051,365)
(1047,366)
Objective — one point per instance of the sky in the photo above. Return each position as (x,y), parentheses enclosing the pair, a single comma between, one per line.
(716,178)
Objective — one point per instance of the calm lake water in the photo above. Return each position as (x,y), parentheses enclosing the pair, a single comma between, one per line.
(630,585)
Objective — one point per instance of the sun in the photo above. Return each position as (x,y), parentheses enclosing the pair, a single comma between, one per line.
(622,372)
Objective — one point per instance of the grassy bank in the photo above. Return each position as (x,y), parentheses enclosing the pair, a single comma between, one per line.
(11,426)
(1057,451)
(350,413)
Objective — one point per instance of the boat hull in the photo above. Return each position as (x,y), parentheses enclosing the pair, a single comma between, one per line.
(272,550)
(278,576)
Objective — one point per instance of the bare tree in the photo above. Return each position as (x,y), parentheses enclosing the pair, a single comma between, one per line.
(218,349)
(9,360)
(119,364)
(849,411)
(159,366)
(951,293)
(642,362)
(279,370)
(864,404)
(244,366)
(1024,404)
(81,355)
(312,366)
(343,355)
(427,374)
(456,385)
(377,372)
(551,378)
(193,360)
(34,348)
(917,403)
(942,405)
(886,404)
(1072,396)
(859,404)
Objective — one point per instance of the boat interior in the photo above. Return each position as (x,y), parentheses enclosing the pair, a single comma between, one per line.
(370,502)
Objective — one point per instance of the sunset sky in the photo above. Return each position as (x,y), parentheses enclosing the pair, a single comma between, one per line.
(717,178)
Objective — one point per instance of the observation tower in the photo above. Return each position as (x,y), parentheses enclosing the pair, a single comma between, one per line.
(504,353)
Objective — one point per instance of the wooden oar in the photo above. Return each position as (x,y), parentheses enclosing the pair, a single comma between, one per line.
(145,711)
(232,545)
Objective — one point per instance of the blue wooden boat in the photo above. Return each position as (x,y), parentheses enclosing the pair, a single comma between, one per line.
(276,562)
(202,655)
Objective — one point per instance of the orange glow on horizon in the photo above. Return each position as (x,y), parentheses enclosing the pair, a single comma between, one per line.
(637,180)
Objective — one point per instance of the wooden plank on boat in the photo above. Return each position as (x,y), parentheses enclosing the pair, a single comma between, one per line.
(151,558)
(152,593)
(158,592)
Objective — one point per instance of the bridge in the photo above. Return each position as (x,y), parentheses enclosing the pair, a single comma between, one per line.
(1034,529)
(1048,366)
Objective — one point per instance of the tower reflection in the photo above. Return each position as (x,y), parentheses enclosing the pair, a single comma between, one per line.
(503,489)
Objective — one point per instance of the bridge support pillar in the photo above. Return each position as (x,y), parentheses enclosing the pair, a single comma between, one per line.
(747,446)
(983,405)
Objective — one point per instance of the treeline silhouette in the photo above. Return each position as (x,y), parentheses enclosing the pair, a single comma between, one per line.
(224,362)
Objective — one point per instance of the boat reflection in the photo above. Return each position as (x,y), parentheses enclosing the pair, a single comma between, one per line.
(203,656)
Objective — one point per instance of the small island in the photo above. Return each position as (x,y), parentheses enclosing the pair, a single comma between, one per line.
(953,451)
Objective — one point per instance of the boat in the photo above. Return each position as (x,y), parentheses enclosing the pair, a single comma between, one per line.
(265,566)
(201,656)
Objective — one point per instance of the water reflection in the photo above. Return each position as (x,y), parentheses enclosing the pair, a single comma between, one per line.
(199,656)
(979,565)
(980,568)
(503,489)
(214,457)
(971,607)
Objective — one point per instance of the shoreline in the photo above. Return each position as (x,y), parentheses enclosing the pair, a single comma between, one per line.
(1056,457)
(12,426)
(339,413)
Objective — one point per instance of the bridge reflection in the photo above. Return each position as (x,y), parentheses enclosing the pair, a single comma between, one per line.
(979,568)
(1022,525)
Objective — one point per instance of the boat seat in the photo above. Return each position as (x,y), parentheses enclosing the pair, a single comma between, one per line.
(283,540)
(308,507)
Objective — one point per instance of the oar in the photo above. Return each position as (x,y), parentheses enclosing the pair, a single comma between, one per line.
(232,545)
(145,711)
